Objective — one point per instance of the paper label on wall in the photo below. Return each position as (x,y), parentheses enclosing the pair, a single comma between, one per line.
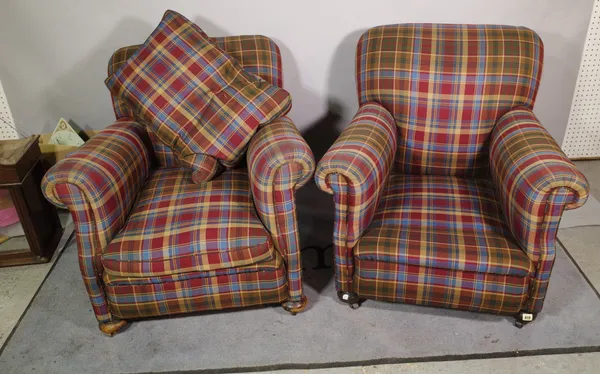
(65,135)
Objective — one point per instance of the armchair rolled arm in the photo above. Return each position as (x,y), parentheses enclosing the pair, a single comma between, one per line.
(279,162)
(99,183)
(533,178)
(356,168)
(108,171)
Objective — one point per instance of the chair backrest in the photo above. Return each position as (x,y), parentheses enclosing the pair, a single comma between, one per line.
(258,54)
(447,85)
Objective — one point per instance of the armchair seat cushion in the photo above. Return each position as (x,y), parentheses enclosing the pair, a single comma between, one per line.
(442,222)
(177,226)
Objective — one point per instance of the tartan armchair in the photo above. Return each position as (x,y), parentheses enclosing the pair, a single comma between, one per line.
(448,191)
(152,243)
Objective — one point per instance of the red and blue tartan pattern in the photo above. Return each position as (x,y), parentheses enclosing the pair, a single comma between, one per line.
(196,98)
(535,182)
(442,222)
(280,162)
(272,264)
(98,183)
(177,226)
(90,172)
(258,55)
(467,290)
(447,85)
(526,165)
(109,169)
(355,170)
(363,156)
(461,97)
(342,252)
(557,200)
(88,247)
(259,284)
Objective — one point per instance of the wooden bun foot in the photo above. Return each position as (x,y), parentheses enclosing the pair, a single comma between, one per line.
(112,328)
(295,307)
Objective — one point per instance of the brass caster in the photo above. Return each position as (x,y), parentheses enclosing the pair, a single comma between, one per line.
(350,298)
(523,318)
(295,307)
(112,328)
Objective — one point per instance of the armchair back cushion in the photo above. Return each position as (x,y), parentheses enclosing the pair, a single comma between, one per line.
(446,86)
(257,54)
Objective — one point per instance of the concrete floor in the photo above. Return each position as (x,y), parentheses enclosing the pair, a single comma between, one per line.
(18,285)
(567,363)
(591,170)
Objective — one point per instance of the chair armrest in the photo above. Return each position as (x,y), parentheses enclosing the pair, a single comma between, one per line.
(534,180)
(106,173)
(99,183)
(356,168)
(280,162)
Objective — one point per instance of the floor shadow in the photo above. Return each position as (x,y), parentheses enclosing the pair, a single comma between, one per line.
(315,208)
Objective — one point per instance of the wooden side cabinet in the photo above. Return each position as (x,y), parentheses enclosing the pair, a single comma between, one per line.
(30,228)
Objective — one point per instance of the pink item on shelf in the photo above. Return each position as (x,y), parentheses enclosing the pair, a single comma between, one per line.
(8,212)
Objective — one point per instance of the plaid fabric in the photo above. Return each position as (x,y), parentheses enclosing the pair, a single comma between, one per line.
(534,183)
(442,222)
(355,170)
(89,249)
(196,98)
(272,264)
(98,183)
(412,284)
(117,60)
(177,227)
(446,86)
(257,54)
(280,162)
(526,166)
(557,200)
(258,284)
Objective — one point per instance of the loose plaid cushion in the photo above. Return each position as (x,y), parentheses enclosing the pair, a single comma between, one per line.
(177,227)
(196,98)
(256,284)
(446,86)
(259,55)
(413,284)
(442,222)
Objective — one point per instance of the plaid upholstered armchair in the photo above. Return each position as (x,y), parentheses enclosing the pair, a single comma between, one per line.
(448,191)
(153,243)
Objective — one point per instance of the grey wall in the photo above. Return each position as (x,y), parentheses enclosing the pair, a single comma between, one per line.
(54,53)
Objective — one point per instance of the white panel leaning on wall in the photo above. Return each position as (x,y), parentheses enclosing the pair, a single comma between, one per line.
(582,138)
(8,129)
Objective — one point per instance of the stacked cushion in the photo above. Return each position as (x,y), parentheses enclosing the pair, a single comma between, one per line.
(198,100)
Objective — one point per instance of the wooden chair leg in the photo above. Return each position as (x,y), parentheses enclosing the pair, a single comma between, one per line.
(112,328)
(295,307)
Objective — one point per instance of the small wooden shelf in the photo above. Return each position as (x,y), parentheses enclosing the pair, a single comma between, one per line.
(21,173)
